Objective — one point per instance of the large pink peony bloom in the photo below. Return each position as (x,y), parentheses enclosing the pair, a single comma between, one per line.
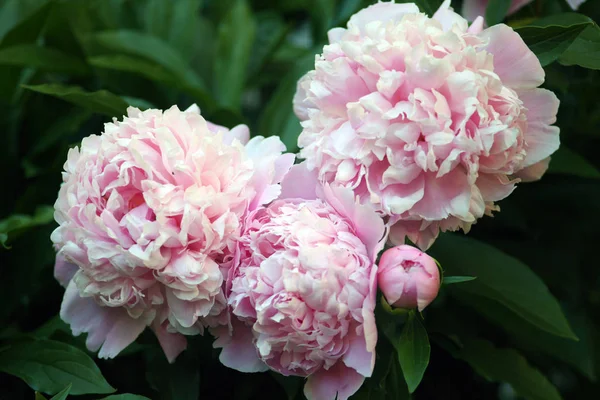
(304,290)
(427,118)
(149,213)
(471,9)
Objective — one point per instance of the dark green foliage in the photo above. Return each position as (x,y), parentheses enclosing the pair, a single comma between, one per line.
(518,312)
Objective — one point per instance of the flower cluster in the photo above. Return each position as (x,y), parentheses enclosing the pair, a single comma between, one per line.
(411,126)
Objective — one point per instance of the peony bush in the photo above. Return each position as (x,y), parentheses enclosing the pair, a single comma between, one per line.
(344,249)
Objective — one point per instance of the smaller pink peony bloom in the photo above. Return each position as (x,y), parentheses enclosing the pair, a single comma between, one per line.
(408,277)
(472,9)
(303,293)
(149,213)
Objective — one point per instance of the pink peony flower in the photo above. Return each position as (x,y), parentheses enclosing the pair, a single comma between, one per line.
(304,290)
(408,278)
(472,9)
(149,214)
(427,118)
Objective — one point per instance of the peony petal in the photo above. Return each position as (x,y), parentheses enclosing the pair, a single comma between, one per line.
(239,132)
(193,109)
(109,329)
(270,166)
(494,187)
(444,196)
(338,380)
(423,238)
(477,26)
(368,311)
(541,139)
(334,35)
(368,224)
(534,172)
(239,352)
(172,343)
(401,198)
(300,101)
(514,63)
(64,270)
(300,183)
(516,5)
(575,3)
(471,9)
(358,357)
(448,18)
(382,11)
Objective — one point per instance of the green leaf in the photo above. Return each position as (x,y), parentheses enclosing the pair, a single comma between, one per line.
(127,63)
(270,33)
(101,102)
(387,381)
(496,10)
(395,384)
(566,161)
(59,132)
(138,103)
(155,72)
(149,47)
(278,117)
(176,22)
(550,37)
(18,222)
(413,351)
(66,125)
(39,396)
(47,366)
(290,384)
(62,395)
(578,354)
(585,50)
(30,55)
(125,396)
(507,365)
(322,13)
(392,311)
(177,381)
(449,280)
(346,8)
(52,325)
(234,45)
(503,279)
(23,22)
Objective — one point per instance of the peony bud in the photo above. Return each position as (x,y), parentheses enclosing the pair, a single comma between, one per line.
(408,277)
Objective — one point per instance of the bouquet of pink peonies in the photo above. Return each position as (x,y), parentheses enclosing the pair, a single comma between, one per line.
(319,265)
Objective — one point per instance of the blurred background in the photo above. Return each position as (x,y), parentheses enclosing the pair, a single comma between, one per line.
(67,67)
